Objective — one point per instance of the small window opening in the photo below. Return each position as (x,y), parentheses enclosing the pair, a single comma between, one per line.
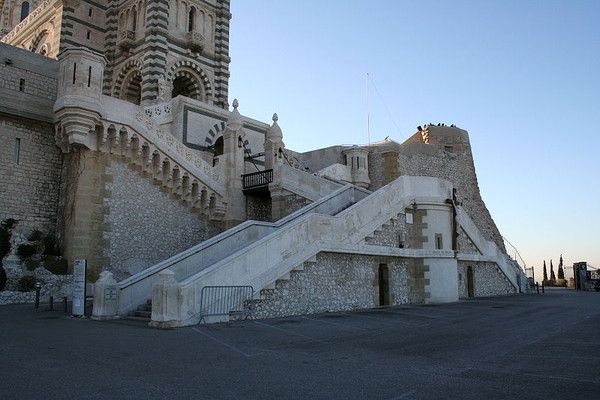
(357,163)
(89,75)
(448,148)
(89,35)
(134,24)
(409,218)
(74,72)
(17,151)
(24,10)
(21,85)
(438,241)
(401,243)
(191,18)
(90,12)
(345,159)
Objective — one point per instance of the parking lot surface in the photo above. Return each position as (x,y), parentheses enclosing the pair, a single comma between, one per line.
(527,346)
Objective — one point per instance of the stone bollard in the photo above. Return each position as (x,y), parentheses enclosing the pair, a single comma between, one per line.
(166,295)
(106,297)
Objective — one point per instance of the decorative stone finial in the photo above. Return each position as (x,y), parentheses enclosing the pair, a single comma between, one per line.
(274,132)
(234,122)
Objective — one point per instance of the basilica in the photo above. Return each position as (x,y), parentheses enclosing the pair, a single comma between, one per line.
(119,138)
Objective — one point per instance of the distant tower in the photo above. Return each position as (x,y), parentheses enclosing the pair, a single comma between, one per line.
(357,158)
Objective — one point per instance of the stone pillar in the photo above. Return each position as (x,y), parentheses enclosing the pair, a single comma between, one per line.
(106,297)
(274,145)
(166,301)
(232,163)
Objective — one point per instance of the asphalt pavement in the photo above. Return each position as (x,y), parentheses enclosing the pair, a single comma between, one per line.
(528,346)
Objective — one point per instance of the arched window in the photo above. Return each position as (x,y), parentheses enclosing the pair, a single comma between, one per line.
(24,10)
(191,18)
(134,22)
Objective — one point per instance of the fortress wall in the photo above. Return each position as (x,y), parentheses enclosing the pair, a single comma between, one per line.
(449,157)
(147,225)
(30,162)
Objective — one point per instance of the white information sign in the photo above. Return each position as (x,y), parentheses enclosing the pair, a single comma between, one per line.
(79,271)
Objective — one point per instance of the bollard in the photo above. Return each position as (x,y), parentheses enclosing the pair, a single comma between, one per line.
(65,303)
(537,287)
(51,304)
(38,288)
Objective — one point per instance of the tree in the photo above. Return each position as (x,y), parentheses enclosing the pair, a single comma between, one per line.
(561,271)
(545,272)
(552,276)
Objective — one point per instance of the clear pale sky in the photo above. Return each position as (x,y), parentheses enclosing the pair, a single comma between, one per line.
(521,76)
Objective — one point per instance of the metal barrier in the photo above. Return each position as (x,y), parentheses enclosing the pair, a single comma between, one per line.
(257,179)
(225,300)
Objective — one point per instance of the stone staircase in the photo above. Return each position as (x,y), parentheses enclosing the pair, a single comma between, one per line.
(136,289)
(142,313)
(139,141)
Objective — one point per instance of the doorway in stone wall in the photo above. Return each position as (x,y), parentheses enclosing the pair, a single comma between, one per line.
(384,285)
(470,286)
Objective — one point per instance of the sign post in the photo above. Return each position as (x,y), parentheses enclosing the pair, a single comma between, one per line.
(79,271)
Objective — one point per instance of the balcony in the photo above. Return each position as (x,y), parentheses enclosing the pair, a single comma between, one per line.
(126,39)
(195,42)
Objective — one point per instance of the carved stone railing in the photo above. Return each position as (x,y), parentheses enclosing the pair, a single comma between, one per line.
(126,39)
(195,42)
(158,110)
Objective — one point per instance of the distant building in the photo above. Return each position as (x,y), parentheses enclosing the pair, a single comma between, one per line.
(117,136)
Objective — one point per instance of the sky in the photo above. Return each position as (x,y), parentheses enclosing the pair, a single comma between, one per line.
(521,76)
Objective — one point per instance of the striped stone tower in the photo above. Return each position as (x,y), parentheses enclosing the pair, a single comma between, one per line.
(155,48)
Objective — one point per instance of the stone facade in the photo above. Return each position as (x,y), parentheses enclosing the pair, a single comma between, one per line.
(147,224)
(488,280)
(30,181)
(31,162)
(335,282)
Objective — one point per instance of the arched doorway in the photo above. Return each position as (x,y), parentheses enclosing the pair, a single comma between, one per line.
(132,87)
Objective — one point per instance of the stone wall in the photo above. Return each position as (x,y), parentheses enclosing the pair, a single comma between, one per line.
(294,203)
(147,225)
(57,286)
(465,245)
(29,174)
(258,208)
(392,234)
(488,280)
(30,162)
(335,282)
